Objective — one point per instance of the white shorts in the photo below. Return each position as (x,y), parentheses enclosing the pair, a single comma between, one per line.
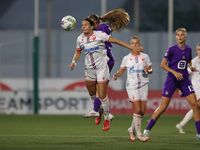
(197,93)
(138,94)
(101,75)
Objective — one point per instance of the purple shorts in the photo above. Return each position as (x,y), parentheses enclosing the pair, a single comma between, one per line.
(172,84)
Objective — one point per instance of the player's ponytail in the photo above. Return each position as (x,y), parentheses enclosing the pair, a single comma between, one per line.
(117,19)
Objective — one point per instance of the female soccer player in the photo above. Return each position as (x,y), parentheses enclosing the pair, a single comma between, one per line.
(195,78)
(138,67)
(96,68)
(178,58)
(117,19)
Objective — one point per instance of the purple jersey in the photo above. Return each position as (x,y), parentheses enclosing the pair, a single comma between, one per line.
(178,60)
(108,45)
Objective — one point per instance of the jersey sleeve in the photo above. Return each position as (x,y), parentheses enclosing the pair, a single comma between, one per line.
(123,64)
(103,36)
(78,46)
(167,55)
(147,61)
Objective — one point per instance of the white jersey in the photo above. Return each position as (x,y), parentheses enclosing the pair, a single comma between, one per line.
(195,76)
(136,77)
(94,48)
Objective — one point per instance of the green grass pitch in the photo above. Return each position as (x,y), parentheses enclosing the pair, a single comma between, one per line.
(73,132)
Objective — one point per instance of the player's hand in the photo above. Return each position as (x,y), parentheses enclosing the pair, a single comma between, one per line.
(145,69)
(136,49)
(193,69)
(72,66)
(115,76)
(179,76)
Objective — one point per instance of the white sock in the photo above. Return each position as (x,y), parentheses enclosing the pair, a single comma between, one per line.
(105,106)
(187,118)
(132,124)
(137,123)
(92,97)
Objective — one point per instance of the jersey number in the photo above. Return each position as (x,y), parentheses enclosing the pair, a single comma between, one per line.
(190,87)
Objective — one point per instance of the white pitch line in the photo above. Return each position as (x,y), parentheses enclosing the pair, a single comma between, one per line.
(18,135)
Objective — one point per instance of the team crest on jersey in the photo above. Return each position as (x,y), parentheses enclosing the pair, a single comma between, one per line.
(93,37)
(183,57)
(103,78)
(130,59)
(166,92)
(85,76)
(133,97)
(82,40)
(142,58)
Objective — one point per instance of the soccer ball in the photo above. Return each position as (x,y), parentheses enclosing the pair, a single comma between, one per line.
(68,23)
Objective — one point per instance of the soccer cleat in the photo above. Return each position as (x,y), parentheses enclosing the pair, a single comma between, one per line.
(198,136)
(132,136)
(91,114)
(146,133)
(106,125)
(111,117)
(180,128)
(98,119)
(143,138)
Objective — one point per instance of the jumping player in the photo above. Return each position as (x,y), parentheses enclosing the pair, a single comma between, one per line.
(117,19)
(178,57)
(96,68)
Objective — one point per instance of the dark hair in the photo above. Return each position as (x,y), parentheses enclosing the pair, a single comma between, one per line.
(90,21)
(95,18)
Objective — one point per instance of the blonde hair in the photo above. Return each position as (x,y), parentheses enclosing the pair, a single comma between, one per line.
(117,19)
(136,37)
(198,45)
(181,29)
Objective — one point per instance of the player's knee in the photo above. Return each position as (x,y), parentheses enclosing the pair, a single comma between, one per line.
(102,96)
(92,92)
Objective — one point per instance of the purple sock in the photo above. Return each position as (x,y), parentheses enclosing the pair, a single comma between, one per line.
(151,124)
(197,123)
(97,104)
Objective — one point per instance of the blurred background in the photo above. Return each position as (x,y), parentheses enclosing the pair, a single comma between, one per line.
(153,21)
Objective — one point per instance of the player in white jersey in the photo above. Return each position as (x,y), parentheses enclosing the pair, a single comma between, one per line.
(108,23)
(96,69)
(138,66)
(195,78)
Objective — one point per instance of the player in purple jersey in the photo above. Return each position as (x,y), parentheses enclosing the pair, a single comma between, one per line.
(113,18)
(178,57)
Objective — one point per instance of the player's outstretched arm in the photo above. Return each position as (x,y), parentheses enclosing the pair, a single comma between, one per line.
(121,43)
